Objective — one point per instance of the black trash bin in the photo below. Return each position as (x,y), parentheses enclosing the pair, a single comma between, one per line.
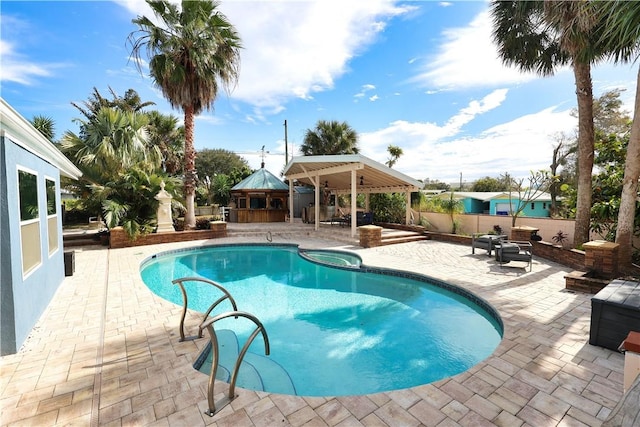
(69,263)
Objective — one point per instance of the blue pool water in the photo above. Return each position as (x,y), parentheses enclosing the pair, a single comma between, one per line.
(336,331)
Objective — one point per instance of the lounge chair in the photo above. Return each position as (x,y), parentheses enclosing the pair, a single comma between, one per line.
(340,218)
(486,241)
(508,251)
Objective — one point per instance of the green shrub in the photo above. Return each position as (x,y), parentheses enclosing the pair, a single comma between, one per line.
(203,223)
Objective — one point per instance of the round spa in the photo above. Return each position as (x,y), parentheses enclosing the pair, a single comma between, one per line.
(334,328)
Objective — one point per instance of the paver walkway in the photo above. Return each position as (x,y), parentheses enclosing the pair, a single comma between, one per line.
(106,352)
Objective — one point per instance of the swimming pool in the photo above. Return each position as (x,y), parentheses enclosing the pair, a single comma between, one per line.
(333,330)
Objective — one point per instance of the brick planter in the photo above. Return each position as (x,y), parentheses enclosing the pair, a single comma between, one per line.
(585,282)
(119,239)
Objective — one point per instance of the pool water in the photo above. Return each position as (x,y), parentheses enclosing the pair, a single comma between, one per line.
(336,331)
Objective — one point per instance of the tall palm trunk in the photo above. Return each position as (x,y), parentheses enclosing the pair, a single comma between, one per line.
(626,215)
(584,92)
(189,168)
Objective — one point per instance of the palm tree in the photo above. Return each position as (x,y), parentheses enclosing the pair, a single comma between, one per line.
(621,36)
(45,125)
(113,142)
(165,133)
(129,102)
(452,206)
(540,36)
(110,146)
(193,50)
(394,154)
(330,137)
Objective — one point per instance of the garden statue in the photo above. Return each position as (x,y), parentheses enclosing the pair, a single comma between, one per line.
(165,223)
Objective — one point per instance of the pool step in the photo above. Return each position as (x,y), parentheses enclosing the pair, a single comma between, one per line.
(398,236)
(257,372)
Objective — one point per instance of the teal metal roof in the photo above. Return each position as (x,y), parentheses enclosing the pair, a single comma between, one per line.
(261,179)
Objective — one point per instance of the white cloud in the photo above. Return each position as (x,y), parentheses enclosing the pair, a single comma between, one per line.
(468,58)
(365,88)
(301,55)
(290,50)
(374,98)
(15,68)
(440,152)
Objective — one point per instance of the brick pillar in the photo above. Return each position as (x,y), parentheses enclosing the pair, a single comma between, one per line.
(370,236)
(523,233)
(118,238)
(219,228)
(602,257)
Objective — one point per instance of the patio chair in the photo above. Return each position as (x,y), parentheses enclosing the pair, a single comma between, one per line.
(486,241)
(340,218)
(510,250)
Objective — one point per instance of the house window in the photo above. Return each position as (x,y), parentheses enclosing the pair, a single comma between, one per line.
(52,215)
(242,203)
(544,205)
(29,220)
(533,206)
(275,203)
(258,202)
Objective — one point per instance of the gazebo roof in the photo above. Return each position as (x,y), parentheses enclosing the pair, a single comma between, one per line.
(334,172)
(261,179)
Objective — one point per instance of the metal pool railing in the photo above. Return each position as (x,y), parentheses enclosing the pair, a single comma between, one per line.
(227,295)
(214,364)
(208,325)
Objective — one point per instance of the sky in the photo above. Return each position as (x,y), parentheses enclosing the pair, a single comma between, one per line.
(421,75)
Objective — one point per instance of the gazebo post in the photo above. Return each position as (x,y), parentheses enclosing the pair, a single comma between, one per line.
(354,213)
(317,202)
(407,210)
(291,201)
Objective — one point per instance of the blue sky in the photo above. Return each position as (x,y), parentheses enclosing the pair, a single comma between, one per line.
(422,75)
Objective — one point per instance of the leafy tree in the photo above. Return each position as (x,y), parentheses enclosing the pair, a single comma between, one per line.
(212,162)
(193,51)
(388,207)
(394,154)
(434,184)
(238,174)
(607,184)
(45,125)
(541,36)
(561,152)
(621,37)
(330,137)
(490,184)
(609,115)
(538,184)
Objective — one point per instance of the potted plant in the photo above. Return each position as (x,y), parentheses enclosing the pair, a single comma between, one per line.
(560,238)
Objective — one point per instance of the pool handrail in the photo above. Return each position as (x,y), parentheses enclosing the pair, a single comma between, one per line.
(208,324)
(226,295)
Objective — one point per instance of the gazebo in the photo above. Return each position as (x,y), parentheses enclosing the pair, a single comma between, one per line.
(260,197)
(348,174)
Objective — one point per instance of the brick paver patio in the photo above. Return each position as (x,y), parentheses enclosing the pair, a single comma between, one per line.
(106,352)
